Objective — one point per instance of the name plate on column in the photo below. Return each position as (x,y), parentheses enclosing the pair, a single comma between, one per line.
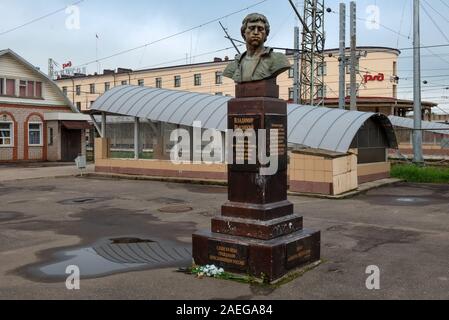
(245,148)
(298,253)
(279,123)
(233,256)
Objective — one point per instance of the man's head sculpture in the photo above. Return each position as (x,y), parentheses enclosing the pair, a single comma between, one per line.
(258,62)
(255,17)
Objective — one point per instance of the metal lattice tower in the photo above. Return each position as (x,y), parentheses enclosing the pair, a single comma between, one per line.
(312,57)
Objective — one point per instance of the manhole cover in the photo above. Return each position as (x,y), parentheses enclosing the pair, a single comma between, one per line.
(130,240)
(87,200)
(175,209)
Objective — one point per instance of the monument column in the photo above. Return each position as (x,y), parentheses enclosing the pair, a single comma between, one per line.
(258,232)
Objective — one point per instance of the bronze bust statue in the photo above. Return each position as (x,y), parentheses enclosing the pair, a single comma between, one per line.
(258,62)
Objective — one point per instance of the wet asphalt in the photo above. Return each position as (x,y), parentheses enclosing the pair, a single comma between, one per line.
(48,224)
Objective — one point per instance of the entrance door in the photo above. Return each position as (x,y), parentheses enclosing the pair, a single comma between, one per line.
(71,144)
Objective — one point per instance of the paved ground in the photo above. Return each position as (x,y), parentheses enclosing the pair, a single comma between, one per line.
(24,171)
(404,230)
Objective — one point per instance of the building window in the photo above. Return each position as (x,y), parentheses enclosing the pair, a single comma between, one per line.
(64,91)
(124,83)
(141,82)
(78,106)
(322,91)
(30,89)
(92,89)
(35,134)
(91,104)
(6,134)
(322,69)
(218,77)
(38,92)
(22,88)
(50,136)
(78,90)
(2,86)
(158,83)
(291,94)
(107,86)
(291,73)
(10,87)
(218,93)
(197,78)
(177,81)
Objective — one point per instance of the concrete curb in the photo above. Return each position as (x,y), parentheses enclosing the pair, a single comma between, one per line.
(361,190)
(159,179)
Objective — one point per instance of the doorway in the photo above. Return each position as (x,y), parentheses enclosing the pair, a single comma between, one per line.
(71,144)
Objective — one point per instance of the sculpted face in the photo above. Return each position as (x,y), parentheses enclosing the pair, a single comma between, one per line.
(255,34)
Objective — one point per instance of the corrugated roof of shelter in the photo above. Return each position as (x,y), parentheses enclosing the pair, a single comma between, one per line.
(426,125)
(313,127)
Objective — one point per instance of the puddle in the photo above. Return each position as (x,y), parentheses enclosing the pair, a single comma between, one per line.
(114,256)
(87,200)
(167,201)
(175,209)
(10,216)
(207,189)
(406,200)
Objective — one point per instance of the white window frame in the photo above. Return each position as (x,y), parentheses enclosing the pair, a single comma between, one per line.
(12,135)
(41,136)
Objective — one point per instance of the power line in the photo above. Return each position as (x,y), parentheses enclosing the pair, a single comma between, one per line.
(38,19)
(437,12)
(434,22)
(171,36)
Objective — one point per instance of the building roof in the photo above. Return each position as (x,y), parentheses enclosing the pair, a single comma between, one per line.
(41,74)
(435,127)
(313,127)
(380,101)
(369,49)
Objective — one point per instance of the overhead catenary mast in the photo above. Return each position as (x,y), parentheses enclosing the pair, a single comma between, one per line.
(312,54)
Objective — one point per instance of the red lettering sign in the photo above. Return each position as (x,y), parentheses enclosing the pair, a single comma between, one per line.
(67,65)
(369,77)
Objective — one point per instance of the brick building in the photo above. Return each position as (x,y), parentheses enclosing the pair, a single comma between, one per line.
(37,122)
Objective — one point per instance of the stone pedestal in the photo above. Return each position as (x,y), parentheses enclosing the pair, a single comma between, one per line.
(258,232)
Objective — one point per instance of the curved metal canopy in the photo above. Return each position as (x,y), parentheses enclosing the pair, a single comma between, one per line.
(313,127)
(434,127)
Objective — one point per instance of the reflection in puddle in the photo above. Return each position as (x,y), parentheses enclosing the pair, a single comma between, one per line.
(109,257)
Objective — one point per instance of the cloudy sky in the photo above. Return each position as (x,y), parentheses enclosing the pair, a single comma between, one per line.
(40,29)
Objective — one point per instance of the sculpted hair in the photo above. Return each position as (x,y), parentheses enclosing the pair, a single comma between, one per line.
(255,17)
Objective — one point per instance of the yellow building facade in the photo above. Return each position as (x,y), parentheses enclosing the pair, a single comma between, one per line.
(377,77)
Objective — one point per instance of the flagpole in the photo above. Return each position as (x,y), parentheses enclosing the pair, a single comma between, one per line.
(96,53)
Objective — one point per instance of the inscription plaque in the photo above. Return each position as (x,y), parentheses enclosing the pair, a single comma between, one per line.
(228,255)
(298,252)
(245,154)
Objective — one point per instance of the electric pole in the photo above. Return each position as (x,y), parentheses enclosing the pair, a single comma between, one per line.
(417,133)
(342,58)
(296,85)
(296,91)
(353,22)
